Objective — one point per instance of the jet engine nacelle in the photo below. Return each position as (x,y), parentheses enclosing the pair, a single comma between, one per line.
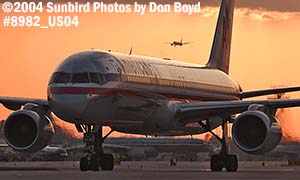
(255,132)
(28,130)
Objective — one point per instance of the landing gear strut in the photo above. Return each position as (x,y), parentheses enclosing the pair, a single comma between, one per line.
(95,156)
(224,159)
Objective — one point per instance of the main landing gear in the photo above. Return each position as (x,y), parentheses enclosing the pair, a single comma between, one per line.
(224,159)
(95,156)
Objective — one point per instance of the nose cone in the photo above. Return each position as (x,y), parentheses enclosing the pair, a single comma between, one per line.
(75,79)
(86,61)
(69,107)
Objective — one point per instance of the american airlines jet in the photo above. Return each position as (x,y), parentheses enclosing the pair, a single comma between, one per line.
(149,96)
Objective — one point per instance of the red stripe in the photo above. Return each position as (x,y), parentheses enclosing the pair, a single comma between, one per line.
(102,91)
(114,91)
(81,90)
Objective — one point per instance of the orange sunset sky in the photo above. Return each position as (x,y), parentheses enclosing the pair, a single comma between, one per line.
(265,47)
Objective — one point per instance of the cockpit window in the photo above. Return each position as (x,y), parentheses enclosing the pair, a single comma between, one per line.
(53,78)
(85,77)
(94,78)
(112,77)
(60,77)
(63,78)
(102,78)
(80,78)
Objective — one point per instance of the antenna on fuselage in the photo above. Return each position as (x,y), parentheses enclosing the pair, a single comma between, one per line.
(130,52)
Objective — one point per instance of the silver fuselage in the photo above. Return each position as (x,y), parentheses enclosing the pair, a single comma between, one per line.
(135,94)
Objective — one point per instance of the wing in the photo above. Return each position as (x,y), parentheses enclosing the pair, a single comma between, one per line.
(15,103)
(267,92)
(198,111)
(186,42)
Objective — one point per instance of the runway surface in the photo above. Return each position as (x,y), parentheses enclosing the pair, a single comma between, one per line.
(146,170)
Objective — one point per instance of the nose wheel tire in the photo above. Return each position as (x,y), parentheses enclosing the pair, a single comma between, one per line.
(216,163)
(84,164)
(94,163)
(107,162)
(231,163)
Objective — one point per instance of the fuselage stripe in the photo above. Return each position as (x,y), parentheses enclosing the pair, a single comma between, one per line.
(118,91)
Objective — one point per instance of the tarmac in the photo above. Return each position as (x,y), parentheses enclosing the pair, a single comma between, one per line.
(144,170)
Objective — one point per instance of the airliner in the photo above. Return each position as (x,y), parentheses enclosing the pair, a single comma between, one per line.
(149,96)
(178,43)
(144,148)
(49,153)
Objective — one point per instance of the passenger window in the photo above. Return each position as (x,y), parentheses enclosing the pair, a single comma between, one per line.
(94,78)
(80,78)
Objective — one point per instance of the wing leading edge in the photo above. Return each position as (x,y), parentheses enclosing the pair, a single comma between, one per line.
(249,94)
(198,111)
(15,103)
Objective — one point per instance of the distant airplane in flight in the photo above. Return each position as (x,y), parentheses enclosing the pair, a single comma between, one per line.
(178,43)
(149,96)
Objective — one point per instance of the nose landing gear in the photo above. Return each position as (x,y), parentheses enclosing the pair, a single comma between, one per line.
(95,156)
